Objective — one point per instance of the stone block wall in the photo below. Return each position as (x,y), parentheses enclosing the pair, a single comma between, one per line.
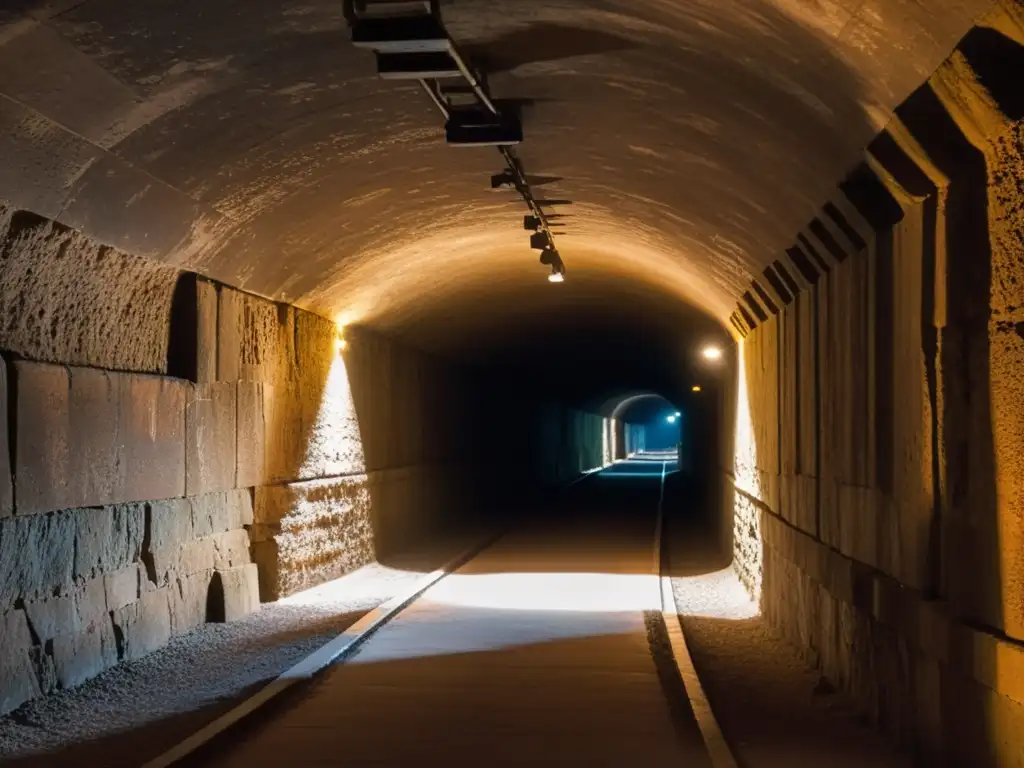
(874,476)
(105,550)
(115,519)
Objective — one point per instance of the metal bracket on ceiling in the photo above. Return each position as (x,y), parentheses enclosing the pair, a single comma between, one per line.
(411,43)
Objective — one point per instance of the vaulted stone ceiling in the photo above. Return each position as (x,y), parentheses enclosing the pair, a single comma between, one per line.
(249,140)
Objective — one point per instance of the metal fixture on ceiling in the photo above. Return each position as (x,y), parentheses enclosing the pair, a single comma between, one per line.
(411,43)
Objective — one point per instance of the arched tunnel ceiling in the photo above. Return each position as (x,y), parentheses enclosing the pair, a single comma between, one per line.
(249,140)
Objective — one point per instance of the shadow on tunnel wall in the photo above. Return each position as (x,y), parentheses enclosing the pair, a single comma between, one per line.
(899,576)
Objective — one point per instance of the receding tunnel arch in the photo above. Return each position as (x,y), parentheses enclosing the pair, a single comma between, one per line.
(619,407)
(197,197)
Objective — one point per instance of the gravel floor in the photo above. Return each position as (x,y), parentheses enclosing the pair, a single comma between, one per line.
(135,711)
(772,709)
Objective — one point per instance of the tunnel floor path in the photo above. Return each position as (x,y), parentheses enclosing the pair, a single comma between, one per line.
(536,652)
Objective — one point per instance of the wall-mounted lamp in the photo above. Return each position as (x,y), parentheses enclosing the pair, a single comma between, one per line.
(711,353)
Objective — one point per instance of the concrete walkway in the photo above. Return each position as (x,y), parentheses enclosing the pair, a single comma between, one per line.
(537,652)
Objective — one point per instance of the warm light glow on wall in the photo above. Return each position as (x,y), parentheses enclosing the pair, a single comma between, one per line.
(747,545)
(334,445)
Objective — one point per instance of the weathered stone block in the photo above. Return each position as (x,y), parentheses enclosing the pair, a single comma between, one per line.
(234,593)
(218,512)
(170,523)
(108,538)
(231,549)
(152,429)
(82,294)
(210,427)
(256,338)
(143,626)
(170,562)
(46,672)
(96,457)
(206,331)
(43,429)
(251,434)
(89,437)
(122,587)
(284,442)
(275,581)
(48,618)
(307,533)
(80,656)
(83,607)
(37,555)
(189,597)
(18,681)
(6,488)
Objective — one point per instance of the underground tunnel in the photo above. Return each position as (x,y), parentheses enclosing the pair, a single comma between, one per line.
(571,383)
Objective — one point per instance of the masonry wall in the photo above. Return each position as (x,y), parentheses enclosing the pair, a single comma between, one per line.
(172,449)
(122,518)
(875,481)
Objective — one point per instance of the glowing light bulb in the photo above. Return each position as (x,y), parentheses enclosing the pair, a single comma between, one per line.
(696,387)
(711,353)
(671,419)
(556,277)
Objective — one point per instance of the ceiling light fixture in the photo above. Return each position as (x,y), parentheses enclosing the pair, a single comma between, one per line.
(711,352)
(549,256)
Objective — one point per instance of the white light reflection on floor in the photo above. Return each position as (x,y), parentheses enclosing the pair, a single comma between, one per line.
(569,592)
(372,583)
